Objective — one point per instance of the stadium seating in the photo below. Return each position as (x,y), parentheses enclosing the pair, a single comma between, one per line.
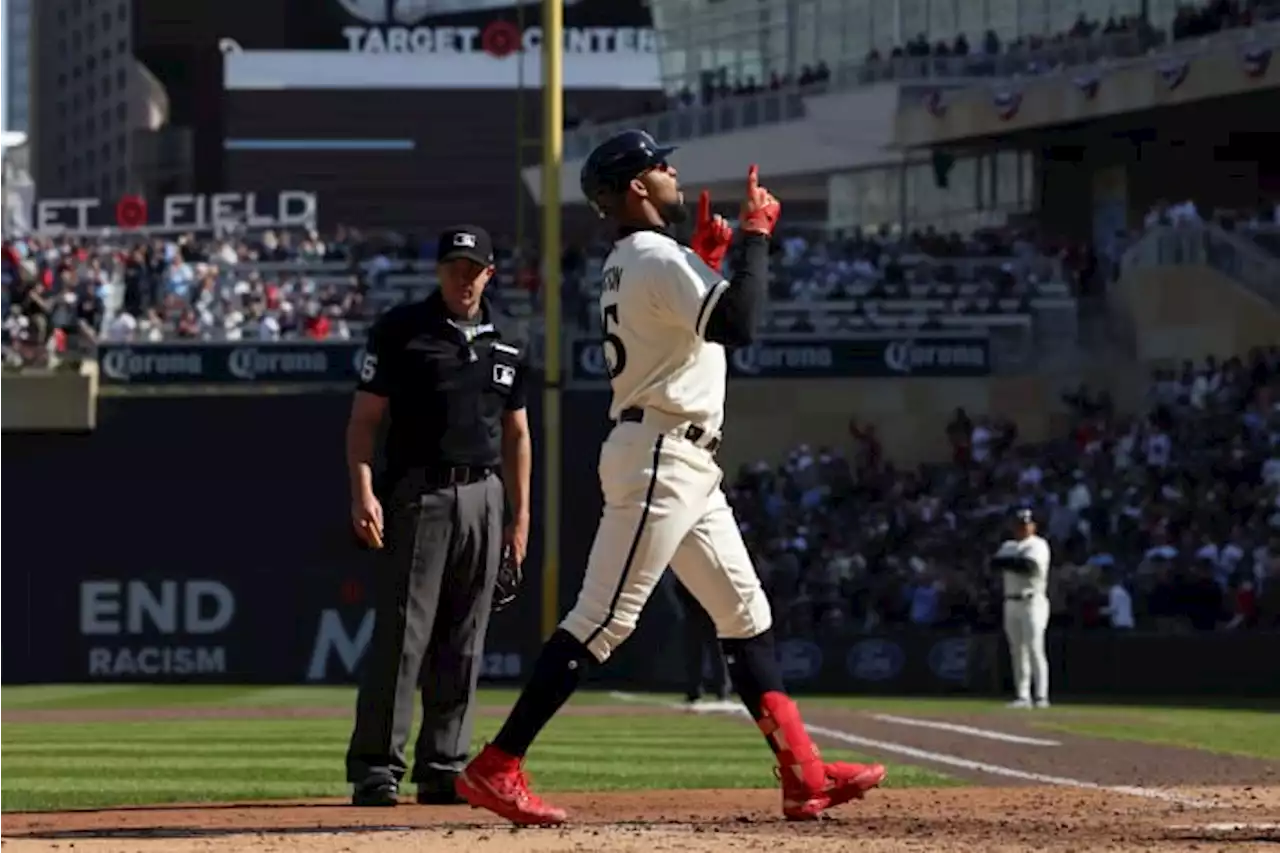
(822,286)
(1189,489)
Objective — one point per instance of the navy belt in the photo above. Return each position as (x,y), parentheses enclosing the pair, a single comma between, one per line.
(693,432)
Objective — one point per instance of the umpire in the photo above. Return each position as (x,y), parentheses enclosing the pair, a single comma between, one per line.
(455,394)
(701,645)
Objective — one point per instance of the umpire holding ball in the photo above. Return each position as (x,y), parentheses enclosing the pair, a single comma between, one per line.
(454,391)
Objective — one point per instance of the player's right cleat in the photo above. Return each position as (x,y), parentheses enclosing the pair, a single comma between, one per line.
(807,792)
(496,781)
(809,785)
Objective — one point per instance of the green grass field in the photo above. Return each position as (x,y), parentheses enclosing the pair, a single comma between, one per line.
(1251,731)
(61,765)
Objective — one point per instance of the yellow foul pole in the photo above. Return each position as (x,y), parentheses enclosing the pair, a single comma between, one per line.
(552,160)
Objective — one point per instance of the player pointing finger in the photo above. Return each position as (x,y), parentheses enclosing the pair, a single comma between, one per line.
(760,210)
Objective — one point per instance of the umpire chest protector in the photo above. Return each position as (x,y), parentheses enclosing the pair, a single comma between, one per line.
(450,383)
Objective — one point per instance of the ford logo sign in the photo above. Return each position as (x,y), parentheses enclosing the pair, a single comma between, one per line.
(799,660)
(876,660)
(949,659)
(591,360)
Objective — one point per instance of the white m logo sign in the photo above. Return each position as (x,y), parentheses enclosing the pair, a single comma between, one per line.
(332,636)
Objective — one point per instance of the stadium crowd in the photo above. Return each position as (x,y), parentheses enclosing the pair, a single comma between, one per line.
(63,295)
(1167,521)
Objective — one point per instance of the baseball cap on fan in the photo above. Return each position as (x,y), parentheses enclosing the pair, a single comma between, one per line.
(465,241)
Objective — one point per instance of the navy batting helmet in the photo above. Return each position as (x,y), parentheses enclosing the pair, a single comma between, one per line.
(617,160)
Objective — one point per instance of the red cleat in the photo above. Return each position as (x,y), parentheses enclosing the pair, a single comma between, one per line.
(495,781)
(806,798)
(809,786)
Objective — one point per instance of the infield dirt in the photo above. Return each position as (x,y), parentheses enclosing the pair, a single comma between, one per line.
(1186,800)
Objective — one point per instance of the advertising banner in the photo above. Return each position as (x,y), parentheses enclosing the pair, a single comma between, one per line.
(175,213)
(922,357)
(456,44)
(237,363)
(218,548)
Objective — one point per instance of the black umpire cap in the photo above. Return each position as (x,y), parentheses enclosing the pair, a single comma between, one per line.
(617,160)
(465,241)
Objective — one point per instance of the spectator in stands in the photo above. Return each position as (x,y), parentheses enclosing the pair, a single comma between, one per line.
(1217,15)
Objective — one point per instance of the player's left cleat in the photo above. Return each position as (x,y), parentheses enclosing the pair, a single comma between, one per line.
(497,782)
(804,798)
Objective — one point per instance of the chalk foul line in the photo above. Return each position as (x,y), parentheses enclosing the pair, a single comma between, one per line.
(938,757)
(957,728)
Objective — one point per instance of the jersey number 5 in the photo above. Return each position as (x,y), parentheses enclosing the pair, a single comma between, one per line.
(615,354)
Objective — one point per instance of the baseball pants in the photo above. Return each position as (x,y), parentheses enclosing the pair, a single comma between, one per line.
(701,649)
(663,506)
(433,594)
(1025,623)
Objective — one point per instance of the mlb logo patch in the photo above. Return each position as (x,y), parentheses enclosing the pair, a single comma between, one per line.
(504,374)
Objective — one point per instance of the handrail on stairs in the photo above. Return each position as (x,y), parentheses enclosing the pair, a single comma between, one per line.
(1210,245)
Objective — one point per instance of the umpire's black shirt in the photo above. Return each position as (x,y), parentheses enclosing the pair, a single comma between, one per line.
(448,385)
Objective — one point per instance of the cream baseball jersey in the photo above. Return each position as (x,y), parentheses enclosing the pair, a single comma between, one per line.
(655,301)
(1037,550)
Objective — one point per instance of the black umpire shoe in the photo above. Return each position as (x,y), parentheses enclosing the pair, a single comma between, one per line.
(376,792)
(439,792)
(440,798)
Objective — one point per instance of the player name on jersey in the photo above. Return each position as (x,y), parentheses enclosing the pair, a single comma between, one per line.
(921,357)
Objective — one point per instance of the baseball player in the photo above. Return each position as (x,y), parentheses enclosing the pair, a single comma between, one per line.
(1024,563)
(667,316)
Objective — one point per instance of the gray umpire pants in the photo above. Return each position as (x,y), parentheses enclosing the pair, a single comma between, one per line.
(433,593)
(700,644)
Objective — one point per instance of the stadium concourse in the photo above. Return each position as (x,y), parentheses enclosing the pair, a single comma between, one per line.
(988,55)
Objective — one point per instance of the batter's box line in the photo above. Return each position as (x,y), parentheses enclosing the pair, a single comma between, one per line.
(941,757)
(1227,827)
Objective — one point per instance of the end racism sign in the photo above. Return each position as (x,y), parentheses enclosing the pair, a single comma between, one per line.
(214,212)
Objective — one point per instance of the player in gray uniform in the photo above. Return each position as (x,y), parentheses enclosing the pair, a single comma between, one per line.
(667,314)
(1024,564)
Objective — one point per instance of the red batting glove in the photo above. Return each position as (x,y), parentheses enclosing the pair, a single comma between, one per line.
(711,234)
(760,210)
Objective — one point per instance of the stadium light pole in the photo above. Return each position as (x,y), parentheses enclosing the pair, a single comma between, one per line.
(552,157)
(4,119)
